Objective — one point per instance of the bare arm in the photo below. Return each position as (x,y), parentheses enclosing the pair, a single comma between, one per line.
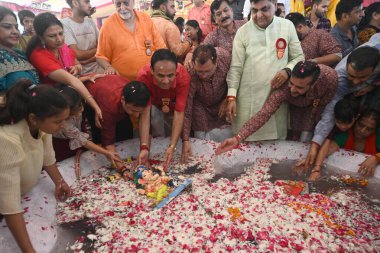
(83,55)
(111,148)
(61,76)
(16,225)
(108,69)
(144,126)
(177,127)
(176,131)
(112,156)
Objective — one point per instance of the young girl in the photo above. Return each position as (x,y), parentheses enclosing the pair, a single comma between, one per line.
(363,137)
(194,33)
(30,115)
(70,138)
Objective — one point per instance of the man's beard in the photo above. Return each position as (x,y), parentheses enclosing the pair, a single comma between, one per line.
(320,14)
(170,16)
(126,16)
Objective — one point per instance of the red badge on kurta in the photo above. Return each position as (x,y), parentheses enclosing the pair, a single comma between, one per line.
(165,105)
(280,47)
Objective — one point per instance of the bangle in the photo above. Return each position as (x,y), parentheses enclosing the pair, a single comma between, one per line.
(230,98)
(238,137)
(173,147)
(144,146)
(313,142)
(185,140)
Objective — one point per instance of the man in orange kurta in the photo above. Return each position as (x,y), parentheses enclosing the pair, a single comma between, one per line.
(127,41)
(162,17)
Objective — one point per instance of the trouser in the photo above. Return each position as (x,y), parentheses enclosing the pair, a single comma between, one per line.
(160,122)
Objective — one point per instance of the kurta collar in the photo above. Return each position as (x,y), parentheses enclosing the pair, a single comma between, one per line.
(263,29)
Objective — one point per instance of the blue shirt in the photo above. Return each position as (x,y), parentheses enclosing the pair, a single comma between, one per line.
(346,43)
(327,122)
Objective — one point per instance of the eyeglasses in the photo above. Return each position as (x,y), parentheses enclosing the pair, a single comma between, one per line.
(118,4)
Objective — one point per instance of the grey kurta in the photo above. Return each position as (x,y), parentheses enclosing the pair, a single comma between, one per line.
(254,64)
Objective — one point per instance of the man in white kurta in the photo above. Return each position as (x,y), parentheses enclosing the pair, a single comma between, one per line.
(264,52)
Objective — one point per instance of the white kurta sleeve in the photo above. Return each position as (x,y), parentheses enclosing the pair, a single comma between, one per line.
(295,50)
(237,64)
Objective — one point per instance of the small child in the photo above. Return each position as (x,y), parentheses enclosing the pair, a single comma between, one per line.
(346,112)
(70,138)
(363,137)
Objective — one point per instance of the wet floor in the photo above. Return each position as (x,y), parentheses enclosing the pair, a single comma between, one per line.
(68,234)
(326,184)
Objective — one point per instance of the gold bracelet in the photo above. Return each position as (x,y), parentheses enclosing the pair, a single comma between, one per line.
(173,147)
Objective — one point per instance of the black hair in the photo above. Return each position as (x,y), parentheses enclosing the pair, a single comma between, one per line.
(371,113)
(5,11)
(256,1)
(305,69)
(346,6)
(347,109)
(203,53)
(25,98)
(163,55)
(23,14)
(215,6)
(296,18)
(179,21)
(316,1)
(364,57)
(193,23)
(136,93)
(41,23)
(157,3)
(73,98)
(368,13)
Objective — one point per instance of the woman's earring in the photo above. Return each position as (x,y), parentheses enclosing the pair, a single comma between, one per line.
(43,44)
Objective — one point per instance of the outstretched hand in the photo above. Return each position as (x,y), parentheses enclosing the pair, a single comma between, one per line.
(368,167)
(227,145)
(62,190)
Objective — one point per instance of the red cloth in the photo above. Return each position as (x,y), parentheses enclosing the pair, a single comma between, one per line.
(370,143)
(203,16)
(177,93)
(107,92)
(46,62)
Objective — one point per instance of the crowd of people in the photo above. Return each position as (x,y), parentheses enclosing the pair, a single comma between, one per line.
(232,72)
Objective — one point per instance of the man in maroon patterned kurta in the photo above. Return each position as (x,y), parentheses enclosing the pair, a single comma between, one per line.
(317,44)
(307,99)
(223,35)
(208,89)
